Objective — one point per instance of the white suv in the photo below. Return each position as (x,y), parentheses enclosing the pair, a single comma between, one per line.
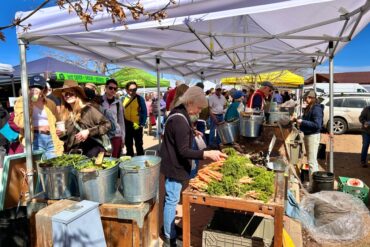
(347,109)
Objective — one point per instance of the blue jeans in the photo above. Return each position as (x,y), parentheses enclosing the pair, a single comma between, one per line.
(45,144)
(194,170)
(212,131)
(201,127)
(171,199)
(365,146)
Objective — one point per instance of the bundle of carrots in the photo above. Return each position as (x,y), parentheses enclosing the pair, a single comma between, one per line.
(206,175)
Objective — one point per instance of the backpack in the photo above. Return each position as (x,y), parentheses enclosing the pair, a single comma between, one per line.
(114,125)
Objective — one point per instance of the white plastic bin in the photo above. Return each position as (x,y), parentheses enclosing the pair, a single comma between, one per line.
(78,226)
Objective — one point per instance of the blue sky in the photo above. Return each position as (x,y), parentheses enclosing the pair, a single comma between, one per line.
(354,57)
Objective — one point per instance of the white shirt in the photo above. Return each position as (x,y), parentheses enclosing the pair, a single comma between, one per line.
(217,103)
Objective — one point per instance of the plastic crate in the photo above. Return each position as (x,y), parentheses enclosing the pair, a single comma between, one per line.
(230,229)
(361,193)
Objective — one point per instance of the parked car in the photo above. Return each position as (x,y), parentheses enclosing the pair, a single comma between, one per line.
(337,87)
(347,109)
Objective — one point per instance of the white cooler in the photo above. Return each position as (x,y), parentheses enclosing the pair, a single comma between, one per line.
(78,226)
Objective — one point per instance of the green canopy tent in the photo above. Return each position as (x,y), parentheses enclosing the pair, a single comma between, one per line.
(141,77)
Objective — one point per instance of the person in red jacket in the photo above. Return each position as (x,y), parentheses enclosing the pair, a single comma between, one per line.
(256,101)
(171,95)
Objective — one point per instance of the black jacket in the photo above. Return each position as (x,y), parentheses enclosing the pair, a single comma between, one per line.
(176,150)
(365,117)
(312,121)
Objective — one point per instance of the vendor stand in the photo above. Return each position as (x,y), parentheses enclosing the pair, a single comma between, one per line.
(274,208)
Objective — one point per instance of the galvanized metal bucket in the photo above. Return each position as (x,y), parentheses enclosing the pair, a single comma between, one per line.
(279,117)
(228,132)
(56,181)
(250,125)
(139,180)
(98,185)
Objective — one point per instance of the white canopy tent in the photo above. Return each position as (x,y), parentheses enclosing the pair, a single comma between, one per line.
(209,39)
(7,70)
(206,39)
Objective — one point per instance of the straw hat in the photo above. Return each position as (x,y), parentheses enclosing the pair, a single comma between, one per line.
(70,84)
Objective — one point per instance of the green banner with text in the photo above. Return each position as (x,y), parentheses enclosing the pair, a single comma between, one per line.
(80,78)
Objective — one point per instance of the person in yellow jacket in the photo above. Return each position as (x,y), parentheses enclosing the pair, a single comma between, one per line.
(43,117)
(135,119)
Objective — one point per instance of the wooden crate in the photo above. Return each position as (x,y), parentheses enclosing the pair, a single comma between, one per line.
(125,232)
(274,208)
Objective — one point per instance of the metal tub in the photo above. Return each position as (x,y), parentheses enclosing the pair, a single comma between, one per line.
(228,132)
(98,185)
(250,125)
(56,181)
(139,182)
(278,117)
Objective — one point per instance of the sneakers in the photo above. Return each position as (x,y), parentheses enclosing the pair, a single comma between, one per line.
(364,164)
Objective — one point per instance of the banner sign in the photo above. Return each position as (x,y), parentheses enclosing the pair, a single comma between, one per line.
(80,78)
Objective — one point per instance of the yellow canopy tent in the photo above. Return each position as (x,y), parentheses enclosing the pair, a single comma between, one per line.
(283,78)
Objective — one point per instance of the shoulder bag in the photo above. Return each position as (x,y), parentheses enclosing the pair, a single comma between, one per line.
(104,141)
(198,139)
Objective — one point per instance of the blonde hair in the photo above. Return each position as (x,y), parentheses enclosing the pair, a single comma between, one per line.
(180,90)
(194,95)
(67,111)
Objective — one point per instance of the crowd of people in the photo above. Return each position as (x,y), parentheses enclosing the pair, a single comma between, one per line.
(90,117)
(76,117)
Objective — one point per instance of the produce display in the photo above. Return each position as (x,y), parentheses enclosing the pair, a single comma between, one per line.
(237,177)
(63,160)
(90,165)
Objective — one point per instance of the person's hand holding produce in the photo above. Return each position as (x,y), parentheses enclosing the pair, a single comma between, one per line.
(214,155)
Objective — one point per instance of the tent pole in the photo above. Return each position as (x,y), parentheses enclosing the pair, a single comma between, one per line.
(314,75)
(331,108)
(13,86)
(26,114)
(158,61)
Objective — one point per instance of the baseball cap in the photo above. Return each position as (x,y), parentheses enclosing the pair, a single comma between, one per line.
(238,94)
(37,81)
(218,86)
(311,93)
(267,84)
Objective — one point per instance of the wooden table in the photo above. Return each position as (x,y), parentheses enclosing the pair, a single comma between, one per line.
(275,208)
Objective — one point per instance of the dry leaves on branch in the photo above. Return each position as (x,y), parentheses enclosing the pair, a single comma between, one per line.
(87,10)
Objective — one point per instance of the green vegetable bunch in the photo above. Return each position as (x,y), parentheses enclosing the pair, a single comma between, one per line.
(237,167)
(91,164)
(229,151)
(64,160)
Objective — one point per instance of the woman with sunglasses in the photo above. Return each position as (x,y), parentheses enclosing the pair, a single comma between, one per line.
(84,124)
(43,116)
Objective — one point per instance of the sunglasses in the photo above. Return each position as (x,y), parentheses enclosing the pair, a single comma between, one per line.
(132,89)
(68,94)
(112,88)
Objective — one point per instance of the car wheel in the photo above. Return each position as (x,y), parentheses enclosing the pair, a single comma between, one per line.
(340,126)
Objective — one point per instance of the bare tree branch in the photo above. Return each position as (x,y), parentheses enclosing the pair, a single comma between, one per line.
(87,14)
